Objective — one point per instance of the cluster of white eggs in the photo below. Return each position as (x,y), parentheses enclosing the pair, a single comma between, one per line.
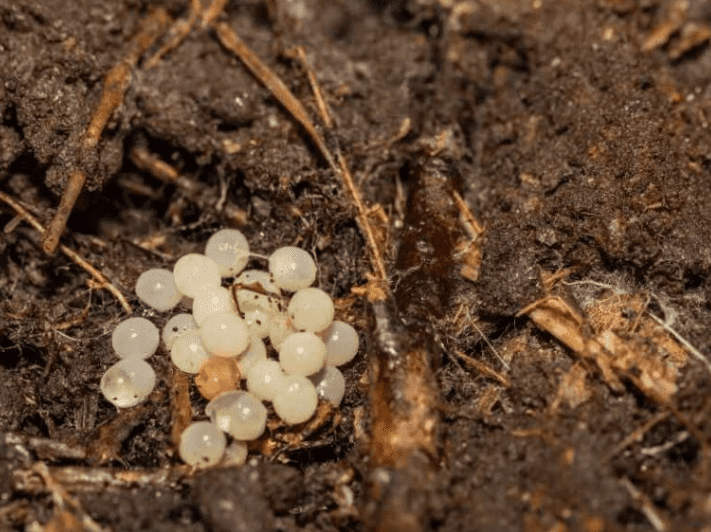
(223,342)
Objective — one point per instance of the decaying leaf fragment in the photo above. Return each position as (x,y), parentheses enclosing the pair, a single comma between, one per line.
(616,353)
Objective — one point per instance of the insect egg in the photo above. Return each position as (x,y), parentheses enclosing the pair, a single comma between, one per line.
(230,250)
(156,288)
(128,382)
(135,337)
(202,444)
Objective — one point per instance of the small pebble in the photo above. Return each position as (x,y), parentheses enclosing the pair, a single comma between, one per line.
(341,341)
(128,382)
(311,309)
(225,334)
(217,375)
(177,325)
(297,401)
(229,248)
(156,288)
(330,384)
(292,268)
(302,354)
(202,444)
(195,273)
(238,413)
(135,337)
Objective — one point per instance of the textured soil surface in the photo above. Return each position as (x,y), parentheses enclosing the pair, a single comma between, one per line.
(539,360)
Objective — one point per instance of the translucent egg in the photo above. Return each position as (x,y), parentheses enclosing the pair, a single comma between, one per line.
(248,300)
(257,321)
(188,352)
(292,268)
(265,379)
(235,454)
(128,382)
(194,273)
(156,288)
(341,341)
(311,309)
(177,325)
(202,444)
(330,384)
(302,354)
(255,352)
(135,337)
(230,250)
(280,328)
(238,413)
(297,401)
(212,301)
(217,375)
(224,334)
(258,280)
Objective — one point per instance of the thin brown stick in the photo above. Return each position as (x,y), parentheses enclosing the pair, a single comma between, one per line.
(75,183)
(483,368)
(182,411)
(177,34)
(96,274)
(115,85)
(194,190)
(212,11)
(233,43)
(315,87)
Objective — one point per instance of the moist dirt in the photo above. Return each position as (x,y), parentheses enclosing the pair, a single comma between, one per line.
(576,133)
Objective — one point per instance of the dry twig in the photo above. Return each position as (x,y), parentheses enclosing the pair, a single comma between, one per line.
(96,274)
(116,83)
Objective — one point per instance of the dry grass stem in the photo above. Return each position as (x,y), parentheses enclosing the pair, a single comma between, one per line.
(232,42)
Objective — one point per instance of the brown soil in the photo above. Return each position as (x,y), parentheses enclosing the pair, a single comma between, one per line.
(576,132)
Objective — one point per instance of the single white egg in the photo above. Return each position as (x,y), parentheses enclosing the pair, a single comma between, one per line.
(302,353)
(311,309)
(280,328)
(257,321)
(238,413)
(135,337)
(188,352)
(255,352)
(225,334)
(128,382)
(330,384)
(235,454)
(341,341)
(297,401)
(177,325)
(212,301)
(202,444)
(194,273)
(292,268)
(230,250)
(265,379)
(156,288)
